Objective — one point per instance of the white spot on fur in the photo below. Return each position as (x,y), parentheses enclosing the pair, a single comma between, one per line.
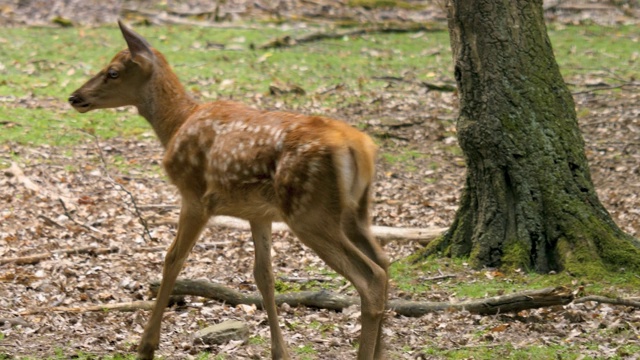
(194,160)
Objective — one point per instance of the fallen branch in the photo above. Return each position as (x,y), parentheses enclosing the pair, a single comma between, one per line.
(529,299)
(288,41)
(383,233)
(439,277)
(13,321)
(164,18)
(632,302)
(611,87)
(429,86)
(127,306)
(36,258)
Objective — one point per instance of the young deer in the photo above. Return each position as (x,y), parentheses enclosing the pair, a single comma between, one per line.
(312,172)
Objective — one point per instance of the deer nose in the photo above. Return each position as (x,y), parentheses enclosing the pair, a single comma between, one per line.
(75,99)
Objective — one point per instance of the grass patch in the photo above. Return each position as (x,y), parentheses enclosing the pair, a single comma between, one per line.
(547,352)
(40,67)
(469,284)
(405,157)
(598,45)
(306,352)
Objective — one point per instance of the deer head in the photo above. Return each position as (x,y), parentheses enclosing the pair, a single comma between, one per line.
(122,82)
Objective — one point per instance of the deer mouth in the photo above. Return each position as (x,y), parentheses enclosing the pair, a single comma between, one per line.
(78,103)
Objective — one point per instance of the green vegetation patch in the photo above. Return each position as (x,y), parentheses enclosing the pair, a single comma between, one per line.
(412,278)
(39,68)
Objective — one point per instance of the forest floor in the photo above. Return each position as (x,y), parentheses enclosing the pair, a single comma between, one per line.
(81,195)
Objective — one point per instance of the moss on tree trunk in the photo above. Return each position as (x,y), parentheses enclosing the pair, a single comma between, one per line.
(528,200)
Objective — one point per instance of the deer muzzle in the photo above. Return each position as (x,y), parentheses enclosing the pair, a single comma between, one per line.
(79,103)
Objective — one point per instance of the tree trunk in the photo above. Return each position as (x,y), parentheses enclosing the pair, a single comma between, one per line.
(528,200)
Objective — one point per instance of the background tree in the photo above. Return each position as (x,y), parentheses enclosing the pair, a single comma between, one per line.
(528,200)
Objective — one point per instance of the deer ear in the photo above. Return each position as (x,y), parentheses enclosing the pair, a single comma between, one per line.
(139,48)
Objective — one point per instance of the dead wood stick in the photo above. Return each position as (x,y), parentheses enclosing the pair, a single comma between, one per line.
(127,306)
(13,321)
(632,302)
(166,18)
(383,233)
(612,87)
(288,41)
(36,258)
(439,277)
(209,290)
(529,299)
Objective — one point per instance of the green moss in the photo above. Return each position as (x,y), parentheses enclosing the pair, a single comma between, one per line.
(515,255)
(433,247)
(593,248)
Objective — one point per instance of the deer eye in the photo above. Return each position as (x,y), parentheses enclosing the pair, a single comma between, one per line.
(112,74)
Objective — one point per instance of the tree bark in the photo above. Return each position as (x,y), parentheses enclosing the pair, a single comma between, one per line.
(528,200)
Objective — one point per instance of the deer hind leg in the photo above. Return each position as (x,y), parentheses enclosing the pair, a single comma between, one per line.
(356,226)
(263,274)
(192,219)
(324,234)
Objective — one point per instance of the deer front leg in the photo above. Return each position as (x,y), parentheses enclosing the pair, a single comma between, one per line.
(263,273)
(192,220)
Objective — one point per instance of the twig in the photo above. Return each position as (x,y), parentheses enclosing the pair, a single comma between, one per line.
(128,306)
(304,280)
(288,41)
(440,277)
(427,85)
(606,300)
(88,227)
(14,321)
(159,207)
(631,83)
(165,18)
(36,258)
(50,221)
(436,87)
(137,211)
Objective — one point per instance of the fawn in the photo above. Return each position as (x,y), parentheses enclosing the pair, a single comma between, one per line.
(312,172)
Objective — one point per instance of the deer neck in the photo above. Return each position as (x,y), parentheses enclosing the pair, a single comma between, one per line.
(166,104)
